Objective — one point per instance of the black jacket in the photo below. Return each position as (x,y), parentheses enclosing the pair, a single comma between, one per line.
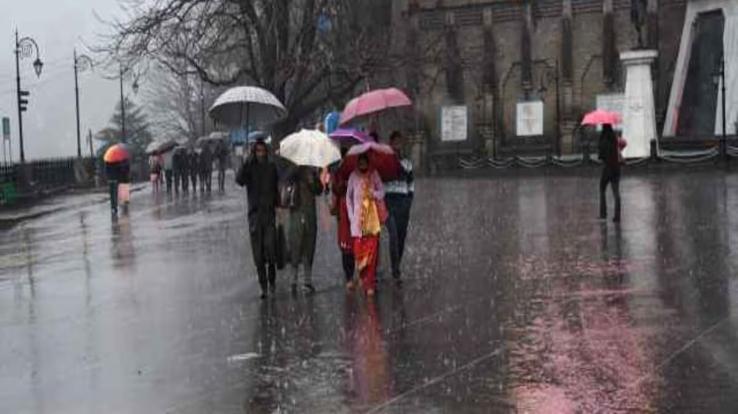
(609,152)
(260,180)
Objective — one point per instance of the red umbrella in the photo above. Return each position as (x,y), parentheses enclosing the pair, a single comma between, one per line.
(381,158)
(602,117)
(373,102)
(116,153)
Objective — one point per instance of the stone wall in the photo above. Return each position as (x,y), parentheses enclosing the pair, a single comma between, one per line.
(527,39)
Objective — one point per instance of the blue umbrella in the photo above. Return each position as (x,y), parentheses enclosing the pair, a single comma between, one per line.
(331,122)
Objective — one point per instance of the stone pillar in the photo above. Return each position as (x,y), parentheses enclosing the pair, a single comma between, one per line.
(609,49)
(453,65)
(490,93)
(525,48)
(639,114)
(567,79)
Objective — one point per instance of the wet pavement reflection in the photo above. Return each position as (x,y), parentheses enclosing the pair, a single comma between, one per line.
(516,299)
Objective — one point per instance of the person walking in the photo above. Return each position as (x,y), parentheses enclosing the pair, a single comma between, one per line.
(194,164)
(339,209)
(155,164)
(259,175)
(221,156)
(363,195)
(609,153)
(178,167)
(206,169)
(303,227)
(399,198)
(168,169)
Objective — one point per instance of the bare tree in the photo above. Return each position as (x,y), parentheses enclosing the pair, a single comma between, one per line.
(177,105)
(307,52)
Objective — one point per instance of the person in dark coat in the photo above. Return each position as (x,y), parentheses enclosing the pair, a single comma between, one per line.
(609,154)
(221,156)
(303,224)
(206,169)
(194,164)
(259,175)
(399,198)
(116,173)
(178,167)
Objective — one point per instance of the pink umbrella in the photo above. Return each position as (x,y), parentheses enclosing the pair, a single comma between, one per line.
(373,102)
(349,135)
(602,117)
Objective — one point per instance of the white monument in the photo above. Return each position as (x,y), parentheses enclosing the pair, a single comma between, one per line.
(639,113)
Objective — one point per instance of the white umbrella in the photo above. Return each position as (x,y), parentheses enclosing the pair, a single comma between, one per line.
(212,138)
(309,148)
(153,148)
(243,105)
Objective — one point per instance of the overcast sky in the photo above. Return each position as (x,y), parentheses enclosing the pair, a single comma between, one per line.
(58,26)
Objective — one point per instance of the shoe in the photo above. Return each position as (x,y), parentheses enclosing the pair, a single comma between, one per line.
(263,295)
(310,288)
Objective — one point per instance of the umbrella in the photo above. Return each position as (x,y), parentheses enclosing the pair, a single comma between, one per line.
(601,117)
(373,102)
(244,105)
(381,157)
(158,147)
(309,148)
(350,135)
(152,148)
(212,138)
(331,122)
(116,153)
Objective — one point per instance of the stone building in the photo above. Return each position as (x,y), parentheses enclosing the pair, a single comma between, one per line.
(490,55)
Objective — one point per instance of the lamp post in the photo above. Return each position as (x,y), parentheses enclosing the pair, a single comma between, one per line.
(24,48)
(718,78)
(81,63)
(123,103)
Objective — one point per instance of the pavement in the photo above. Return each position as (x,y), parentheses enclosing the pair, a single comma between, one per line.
(517,299)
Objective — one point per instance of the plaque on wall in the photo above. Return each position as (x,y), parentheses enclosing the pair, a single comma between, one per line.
(529,119)
(454,123)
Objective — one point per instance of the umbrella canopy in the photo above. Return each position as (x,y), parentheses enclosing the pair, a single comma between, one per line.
(602,117)
(374,102)
(331,122)
(213,138)
(152,148)
(350,135)
(309,148)
(159,147)
(381,157)
(244,105)
(116,153)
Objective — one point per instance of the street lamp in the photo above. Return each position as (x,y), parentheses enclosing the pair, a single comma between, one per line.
(718,78)
(134,87)
(23,49)
(81,63)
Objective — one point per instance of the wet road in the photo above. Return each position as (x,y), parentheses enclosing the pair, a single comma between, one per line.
(517,299)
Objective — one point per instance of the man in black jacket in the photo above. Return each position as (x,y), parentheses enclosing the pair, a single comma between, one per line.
(259,175)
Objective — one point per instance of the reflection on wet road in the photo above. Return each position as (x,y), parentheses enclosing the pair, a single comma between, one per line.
(517,299)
